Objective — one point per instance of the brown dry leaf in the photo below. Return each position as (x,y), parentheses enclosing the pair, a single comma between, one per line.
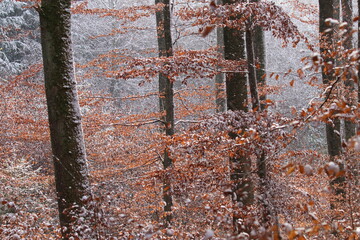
(290,170)
(287,73)
(301,237)
(301,169)
(303,113)
(207,30)
(310,109)
(301,73)
(292,234)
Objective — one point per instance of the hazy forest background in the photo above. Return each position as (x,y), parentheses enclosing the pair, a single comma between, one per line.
(201,120)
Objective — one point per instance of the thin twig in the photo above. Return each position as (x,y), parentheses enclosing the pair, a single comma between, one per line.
(331,87)
(136,124)
(188,121)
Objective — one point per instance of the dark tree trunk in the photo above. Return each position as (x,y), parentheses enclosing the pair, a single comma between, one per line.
(68,149)
(166,95)
(346,6)
(236,82)
(326,10)
(236,91)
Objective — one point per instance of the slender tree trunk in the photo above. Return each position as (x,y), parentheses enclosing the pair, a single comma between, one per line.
(236,92)
(219,78)
(252,71)
(259,54)
(346,6)
(326,10)
(259,51)
(166,96)
(261,158)
(336,10)
(68,148)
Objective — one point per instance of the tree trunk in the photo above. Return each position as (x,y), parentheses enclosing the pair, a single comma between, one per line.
(166,95)
(236,92)
(259,55)
(257,106)
(236,82)
(346,6)
(219,78)
(252,71)
(326,10)
(68,148)
(259,51)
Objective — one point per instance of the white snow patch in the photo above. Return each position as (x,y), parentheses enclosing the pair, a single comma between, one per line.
(170,232)
(308,170)
(332,168)
(357,231)
(331,21)
(209,234)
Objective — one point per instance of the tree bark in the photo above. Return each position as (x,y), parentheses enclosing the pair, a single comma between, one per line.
(236,82)
(326,10)
(236,93)
(251,45)
(219,78)
(259,51)
(166,99)
(252,71)
(346,6)
(68,148)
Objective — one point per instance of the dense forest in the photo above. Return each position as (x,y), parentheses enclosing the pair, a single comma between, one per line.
(179,119)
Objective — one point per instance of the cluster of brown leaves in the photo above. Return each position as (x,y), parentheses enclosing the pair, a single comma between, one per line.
(186,63)
(245,15)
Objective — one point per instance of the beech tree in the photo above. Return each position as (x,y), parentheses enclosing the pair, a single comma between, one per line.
(326,11)
(220,98)
(166,94)
(259,51)
(236,95)
(68,148)
(347,18)
(126,149)
(252,71)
